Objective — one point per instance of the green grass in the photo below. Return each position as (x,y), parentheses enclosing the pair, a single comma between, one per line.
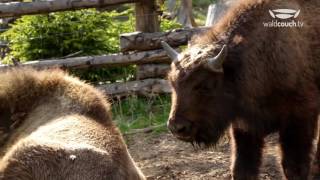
(140,112)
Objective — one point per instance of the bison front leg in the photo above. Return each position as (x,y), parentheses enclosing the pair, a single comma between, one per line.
(296,144)
(247,152)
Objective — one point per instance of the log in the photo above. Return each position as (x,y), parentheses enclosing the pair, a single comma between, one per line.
(142,41)
(142,87)
(152,71)
(5,1)
(155,56)
(25,8)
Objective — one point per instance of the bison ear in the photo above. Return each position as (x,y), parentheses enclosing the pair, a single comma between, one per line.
(215,64)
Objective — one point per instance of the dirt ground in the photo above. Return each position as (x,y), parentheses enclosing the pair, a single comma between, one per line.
(164,157)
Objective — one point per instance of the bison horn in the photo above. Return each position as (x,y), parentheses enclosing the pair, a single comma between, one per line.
(173,54)
(215,64)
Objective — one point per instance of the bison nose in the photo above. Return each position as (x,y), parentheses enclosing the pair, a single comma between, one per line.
(182,128)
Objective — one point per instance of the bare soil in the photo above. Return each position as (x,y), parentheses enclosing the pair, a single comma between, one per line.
(164,157)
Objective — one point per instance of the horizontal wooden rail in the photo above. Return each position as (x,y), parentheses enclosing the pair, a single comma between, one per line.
(141,41)
(152,71)
(145,87)
(155,56)
(12,9)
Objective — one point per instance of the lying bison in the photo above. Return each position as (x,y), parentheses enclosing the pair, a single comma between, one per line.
(256,79)
(53,126)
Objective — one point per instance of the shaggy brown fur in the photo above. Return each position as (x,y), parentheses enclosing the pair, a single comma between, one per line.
(54,126)
(270,83)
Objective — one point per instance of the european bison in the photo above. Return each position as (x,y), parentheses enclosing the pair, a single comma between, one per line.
(254,78)
(53,126)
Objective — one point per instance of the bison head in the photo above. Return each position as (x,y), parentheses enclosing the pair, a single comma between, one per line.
(202,98)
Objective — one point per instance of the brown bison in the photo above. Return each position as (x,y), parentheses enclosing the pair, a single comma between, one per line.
(254,78)
(53,126)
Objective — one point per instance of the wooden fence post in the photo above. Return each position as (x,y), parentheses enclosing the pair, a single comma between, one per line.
(147,16)
(146,21)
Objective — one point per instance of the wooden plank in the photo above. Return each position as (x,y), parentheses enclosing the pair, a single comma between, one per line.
(152,71)
(155,56)
(25,8)
(142,87)
(142,41)
(5,1)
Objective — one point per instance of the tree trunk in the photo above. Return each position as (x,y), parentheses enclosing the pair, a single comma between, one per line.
(185,16)
(216,11)
(171,6)
(147,16)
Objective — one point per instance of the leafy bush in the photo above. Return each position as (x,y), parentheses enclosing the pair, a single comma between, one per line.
(85,32)
(202,3)
(168,25)
(63,33)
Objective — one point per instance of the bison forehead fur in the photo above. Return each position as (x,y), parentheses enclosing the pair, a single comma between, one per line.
(269,82)
(53,126)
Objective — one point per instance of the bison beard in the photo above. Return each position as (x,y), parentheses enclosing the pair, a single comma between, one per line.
(210,134)
(53,126)
(262,80)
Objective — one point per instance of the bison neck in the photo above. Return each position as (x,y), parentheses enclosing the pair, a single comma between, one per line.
(273,69)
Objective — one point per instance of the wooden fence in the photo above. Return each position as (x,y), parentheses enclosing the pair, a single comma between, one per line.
(142,48)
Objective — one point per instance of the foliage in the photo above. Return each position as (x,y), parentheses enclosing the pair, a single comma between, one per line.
(168,25)
(202,3)
(106,75)
(140,112)
(86,32)
(63,33)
